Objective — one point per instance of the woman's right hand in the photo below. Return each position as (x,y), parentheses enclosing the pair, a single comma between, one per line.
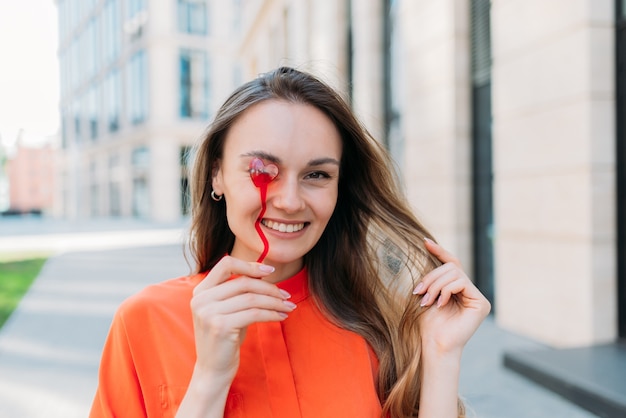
(229,299)
(223,307)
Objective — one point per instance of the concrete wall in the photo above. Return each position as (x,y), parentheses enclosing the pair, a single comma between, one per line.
(554,168)
(437,119)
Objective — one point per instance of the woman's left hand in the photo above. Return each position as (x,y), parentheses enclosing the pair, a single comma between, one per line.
(454,306)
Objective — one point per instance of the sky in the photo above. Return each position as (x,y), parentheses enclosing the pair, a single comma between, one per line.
(29,70)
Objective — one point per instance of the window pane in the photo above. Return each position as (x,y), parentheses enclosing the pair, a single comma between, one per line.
(92,113)
(137,81)
(112,91)
(194,84)
(192,17)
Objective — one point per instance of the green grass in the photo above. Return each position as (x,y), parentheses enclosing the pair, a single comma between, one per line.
(16,277)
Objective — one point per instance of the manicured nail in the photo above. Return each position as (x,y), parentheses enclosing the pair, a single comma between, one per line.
(283,315)
(290,305)
(419,288)
(439,302)
(285,294)
(429,240)
(265,268)
(424,299)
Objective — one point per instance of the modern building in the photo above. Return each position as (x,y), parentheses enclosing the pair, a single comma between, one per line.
(501,116)
(139,82)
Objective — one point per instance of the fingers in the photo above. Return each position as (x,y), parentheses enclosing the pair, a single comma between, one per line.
(223,304)
(228,267)
(241,311)
(241,285)
(438,286)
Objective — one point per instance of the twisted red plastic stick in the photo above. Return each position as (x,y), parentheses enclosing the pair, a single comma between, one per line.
(257,224)
(261,176)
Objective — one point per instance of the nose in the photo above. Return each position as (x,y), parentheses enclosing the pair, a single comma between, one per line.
(285,194)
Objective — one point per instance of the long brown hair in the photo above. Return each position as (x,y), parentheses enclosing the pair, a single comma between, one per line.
(371,254)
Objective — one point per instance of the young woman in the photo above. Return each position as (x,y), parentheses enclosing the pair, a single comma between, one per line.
(355,311)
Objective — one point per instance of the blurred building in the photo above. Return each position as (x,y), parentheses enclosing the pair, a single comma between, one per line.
(501,116)
(29,177)
(504,134)
(139,81)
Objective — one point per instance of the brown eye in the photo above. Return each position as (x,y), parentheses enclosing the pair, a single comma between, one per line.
(317,175)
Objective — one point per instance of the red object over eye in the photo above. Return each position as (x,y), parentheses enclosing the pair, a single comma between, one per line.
(261,173)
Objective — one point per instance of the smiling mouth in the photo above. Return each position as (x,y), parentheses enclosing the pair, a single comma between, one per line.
(281,227)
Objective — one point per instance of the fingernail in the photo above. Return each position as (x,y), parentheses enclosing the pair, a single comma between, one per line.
(283,315)
(439,302)
(424,299)
(290,305)
(419,288)
(285,294)
(265,268)
(429,240)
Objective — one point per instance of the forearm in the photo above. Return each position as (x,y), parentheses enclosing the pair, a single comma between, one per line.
(205,397)
(440,384)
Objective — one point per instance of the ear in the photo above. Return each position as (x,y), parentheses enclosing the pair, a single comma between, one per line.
(217,179)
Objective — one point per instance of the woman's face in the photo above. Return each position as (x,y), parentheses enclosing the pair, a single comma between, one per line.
(306,147)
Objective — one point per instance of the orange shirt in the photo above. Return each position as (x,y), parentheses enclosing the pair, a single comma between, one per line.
(303,366)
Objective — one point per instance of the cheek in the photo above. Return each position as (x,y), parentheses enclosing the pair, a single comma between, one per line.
(239,208)
(326,207)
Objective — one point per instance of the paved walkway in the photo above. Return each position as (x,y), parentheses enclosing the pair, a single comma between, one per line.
(50,347)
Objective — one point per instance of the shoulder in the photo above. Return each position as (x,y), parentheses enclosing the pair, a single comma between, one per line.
(167,299)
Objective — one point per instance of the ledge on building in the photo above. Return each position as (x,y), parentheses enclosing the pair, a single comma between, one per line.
(593,378)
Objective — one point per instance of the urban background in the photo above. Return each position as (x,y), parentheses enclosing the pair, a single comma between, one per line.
(505,118)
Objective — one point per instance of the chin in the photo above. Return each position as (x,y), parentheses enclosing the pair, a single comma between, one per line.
(285,257)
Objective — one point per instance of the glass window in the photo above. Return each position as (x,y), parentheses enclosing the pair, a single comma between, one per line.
(64,128)
(113,101)
(72,14)
(89,6)
(74,64)
(89,48)
(192,17)
(92,112)
(133,7)
(63,73)
(111,31)
(136,18)
(77,116)
(62,19)
(137,88)
(96,43)
(141,197)
(194,84)
(140,158)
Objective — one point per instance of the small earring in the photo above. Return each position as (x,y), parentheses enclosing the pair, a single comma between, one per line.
(215,196)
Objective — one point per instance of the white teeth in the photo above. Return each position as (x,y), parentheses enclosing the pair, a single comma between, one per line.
(277,226)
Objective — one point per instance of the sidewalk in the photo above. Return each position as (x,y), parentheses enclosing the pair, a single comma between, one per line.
(50,347)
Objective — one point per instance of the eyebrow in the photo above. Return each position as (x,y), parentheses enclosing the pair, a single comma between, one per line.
(274,159)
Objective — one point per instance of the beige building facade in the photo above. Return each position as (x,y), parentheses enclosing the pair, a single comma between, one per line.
(412,70)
